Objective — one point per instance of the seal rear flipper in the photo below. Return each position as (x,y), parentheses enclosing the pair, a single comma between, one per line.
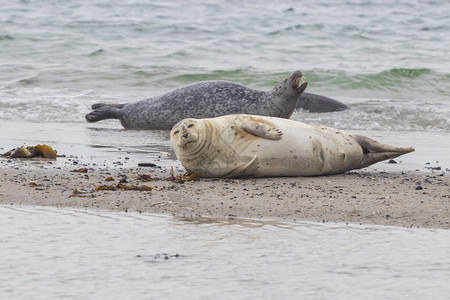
(319,104)
(98,105)
(244,171)
(375,151)
(261,130)
(103,112)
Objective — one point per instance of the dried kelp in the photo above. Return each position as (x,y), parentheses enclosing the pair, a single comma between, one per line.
(120,186)
(42,151)
(188,176)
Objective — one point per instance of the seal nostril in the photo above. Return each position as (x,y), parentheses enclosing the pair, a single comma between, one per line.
(185,135)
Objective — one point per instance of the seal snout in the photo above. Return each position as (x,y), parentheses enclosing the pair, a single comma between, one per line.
(299,84)
(184,132)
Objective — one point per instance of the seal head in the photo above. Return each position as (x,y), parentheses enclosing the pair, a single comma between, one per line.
(186,133)
(286,95)
(298,83)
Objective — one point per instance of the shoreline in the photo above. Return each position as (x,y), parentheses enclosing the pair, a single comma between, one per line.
(410,199)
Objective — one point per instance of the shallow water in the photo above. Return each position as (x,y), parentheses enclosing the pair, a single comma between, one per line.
(388,61)
(73,254)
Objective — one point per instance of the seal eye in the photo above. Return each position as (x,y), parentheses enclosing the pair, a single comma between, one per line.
(190,125)
(176,132)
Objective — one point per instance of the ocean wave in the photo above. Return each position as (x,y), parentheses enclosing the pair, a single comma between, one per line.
(407,82)
(43,105)
(389,83)
(399,83)
(6,37)
(384,115)
(40,105)
(394,99)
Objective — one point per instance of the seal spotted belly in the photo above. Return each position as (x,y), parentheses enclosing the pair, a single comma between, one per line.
(205,99)
(256,146)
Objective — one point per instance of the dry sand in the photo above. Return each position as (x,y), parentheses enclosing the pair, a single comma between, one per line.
(409,200)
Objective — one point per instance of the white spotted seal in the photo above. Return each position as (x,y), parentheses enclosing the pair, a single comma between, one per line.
(206,99)
(256,146)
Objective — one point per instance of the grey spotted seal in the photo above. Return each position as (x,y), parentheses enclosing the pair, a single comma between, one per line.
(256,146)
(206,99)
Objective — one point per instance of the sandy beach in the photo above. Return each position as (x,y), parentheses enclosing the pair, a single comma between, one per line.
(410,199)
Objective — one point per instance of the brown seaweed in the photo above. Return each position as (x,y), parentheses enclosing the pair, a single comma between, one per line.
(145,177)
(121,186)
(188,176)
(43,151)
(20,152)
(82,170)
(46,151)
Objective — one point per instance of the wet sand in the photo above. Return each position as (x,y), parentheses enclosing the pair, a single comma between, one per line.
(411,199)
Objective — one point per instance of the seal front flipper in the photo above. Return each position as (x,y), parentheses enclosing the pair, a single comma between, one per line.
(103,112)
(261,130)
(375,151)
(244,171)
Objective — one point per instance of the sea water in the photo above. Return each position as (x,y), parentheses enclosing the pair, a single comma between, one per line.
(50,253)
(388,61)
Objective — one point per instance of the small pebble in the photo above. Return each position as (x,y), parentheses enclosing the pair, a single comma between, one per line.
(146,165)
